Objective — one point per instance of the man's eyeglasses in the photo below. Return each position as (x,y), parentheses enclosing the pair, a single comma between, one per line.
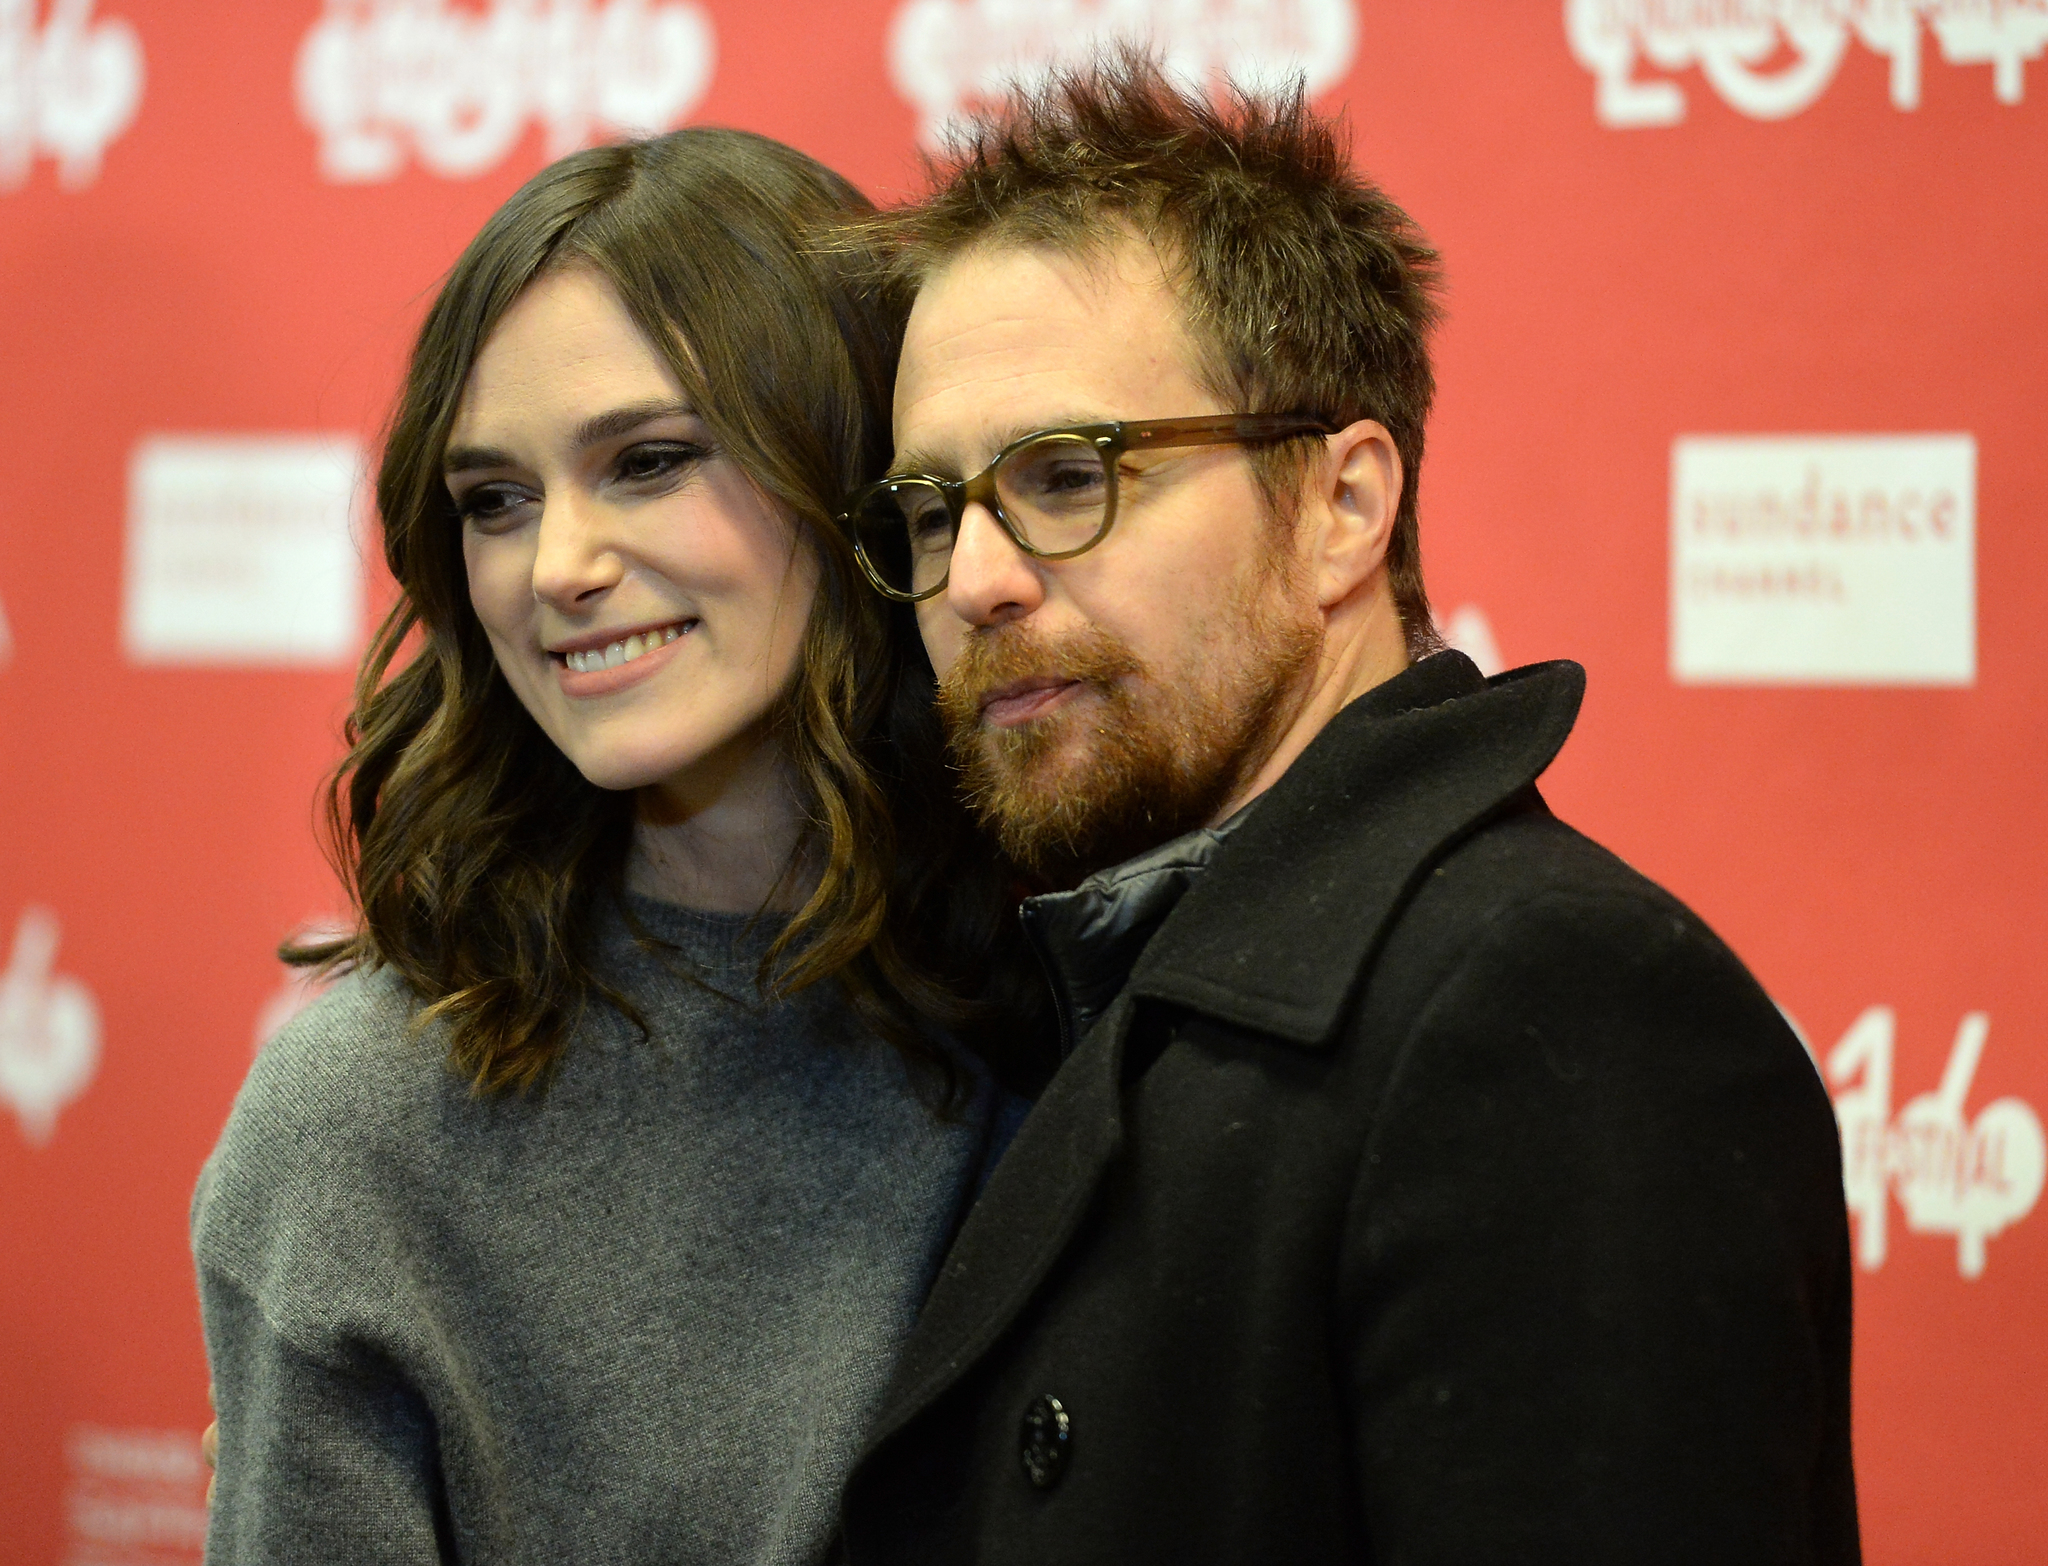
(1053,492)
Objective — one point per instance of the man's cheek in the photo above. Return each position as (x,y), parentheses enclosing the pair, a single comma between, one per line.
(943,636)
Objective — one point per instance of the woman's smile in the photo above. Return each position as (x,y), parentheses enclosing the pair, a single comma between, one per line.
(598,668)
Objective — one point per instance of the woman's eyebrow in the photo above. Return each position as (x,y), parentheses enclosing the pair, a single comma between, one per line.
(466,459)
(595,430)
(602,427)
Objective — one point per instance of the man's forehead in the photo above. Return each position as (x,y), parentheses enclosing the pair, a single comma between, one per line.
(1004,341)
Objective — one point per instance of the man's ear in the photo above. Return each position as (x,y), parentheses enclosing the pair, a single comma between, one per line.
(1355,493)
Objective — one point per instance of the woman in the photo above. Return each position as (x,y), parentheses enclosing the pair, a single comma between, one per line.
(583,1218)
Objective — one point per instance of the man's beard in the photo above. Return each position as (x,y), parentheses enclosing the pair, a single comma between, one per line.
(1156,757)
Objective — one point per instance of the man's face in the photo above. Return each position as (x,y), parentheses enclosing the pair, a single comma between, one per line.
(1103,704)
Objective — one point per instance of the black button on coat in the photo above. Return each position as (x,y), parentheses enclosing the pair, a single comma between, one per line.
(1043,1442)
(1438,1190)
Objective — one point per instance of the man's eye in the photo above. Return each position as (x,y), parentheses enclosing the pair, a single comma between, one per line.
(930,527)
(1065,477)
(1060,481)
(653,461)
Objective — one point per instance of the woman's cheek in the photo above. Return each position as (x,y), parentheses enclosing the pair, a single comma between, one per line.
(500,582)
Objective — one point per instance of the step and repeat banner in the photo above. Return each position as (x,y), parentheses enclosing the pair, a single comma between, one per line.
(1743,391)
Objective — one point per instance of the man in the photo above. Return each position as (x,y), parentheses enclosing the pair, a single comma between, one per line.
(1420,1184)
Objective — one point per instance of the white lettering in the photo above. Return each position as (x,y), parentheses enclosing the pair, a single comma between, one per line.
(241,549)
(49,1030)
(1731,41)
(67,89)
(137,1497)
(1835,560)
(1966,1178)
(1468,629)
(948,57)
(381,81)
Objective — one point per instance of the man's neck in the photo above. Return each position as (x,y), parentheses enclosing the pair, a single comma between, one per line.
(1364,645)
(1089,937)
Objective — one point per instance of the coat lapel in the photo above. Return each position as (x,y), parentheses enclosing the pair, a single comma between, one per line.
(1021,1222)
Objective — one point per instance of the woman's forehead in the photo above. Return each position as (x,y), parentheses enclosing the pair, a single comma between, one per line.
(565,352)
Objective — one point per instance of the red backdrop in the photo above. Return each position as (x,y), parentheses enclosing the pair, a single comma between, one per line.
(1818,718)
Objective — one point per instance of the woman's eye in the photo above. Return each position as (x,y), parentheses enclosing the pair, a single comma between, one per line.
(490,505)
(654,461)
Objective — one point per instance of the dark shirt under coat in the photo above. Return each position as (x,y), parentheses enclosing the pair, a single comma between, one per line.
(1436,1190)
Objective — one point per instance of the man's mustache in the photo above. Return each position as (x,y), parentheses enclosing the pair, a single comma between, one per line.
(1005,655)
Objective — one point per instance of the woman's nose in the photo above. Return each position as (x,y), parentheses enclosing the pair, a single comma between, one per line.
(575,558)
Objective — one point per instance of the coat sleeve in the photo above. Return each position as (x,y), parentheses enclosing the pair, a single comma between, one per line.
(1595,1283)
(317,1463)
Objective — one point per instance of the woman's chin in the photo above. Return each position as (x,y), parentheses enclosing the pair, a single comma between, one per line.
(696,755)
(625,774)
(708,768)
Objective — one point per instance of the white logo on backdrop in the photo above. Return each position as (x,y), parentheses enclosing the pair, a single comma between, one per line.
(299,987)
(382,80)
(1840,560)
(67,89)
(137,1498)
(1953,1174)
(1467,629)
(1733,42)
(241,549)
(947,57)
(49,1029)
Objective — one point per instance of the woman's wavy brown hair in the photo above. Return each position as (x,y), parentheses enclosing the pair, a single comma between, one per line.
(477,855)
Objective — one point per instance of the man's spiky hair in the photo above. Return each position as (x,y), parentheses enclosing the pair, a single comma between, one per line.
(1306,289)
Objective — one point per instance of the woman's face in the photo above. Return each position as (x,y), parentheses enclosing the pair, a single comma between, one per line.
(645,600)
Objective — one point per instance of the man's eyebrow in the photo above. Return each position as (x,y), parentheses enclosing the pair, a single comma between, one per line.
(595,430)
(916,461)
(919,462)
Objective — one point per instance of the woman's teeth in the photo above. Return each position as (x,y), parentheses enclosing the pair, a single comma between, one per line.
(621,652)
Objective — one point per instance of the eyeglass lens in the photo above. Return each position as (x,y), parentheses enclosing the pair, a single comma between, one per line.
(1054,493)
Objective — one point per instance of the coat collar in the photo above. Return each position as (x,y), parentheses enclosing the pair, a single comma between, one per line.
(1088,938)
(1402,770)
(1331,850)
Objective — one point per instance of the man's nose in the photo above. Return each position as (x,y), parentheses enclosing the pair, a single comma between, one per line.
(990,581)
(576,558)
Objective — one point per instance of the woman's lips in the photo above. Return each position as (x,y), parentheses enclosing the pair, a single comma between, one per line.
(602,682)
(1025,700)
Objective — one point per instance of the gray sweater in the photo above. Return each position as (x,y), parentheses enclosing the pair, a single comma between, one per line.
(643,1317)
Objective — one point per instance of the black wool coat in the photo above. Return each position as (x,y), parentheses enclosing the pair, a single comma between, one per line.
(1436,1190)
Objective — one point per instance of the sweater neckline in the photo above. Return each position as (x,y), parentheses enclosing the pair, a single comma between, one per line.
(702,934)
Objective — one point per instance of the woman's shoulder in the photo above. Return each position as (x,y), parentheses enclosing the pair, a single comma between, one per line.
(358,1052)
(327,1112)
